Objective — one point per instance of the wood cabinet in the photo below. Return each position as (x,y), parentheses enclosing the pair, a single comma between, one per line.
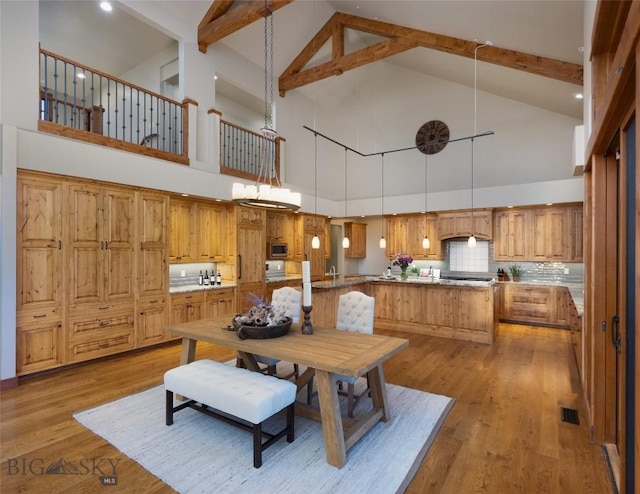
(211,226)
(100,239)
(39,297)
(552,233)
(219,302)
(296,244)
(181,230)
(511,236)
(536,304)
(453,224)
(251,256)
(314,225)
(152,317)
(450,311)
(397,230)
(576,239)
(417,227)
(277,230)
(97,333)
(153,269)
(327,238)
(187,307)
(357,233)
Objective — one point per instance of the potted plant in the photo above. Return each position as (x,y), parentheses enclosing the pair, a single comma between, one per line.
(516,272)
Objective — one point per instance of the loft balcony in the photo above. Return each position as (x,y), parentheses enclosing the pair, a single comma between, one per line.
(79,102)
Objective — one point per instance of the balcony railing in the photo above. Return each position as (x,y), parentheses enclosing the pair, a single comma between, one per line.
(80,102)
(242,152)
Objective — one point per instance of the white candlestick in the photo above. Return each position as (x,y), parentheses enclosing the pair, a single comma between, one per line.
(306,272)
(306,294)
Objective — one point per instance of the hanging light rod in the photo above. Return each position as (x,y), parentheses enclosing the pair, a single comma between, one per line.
(315,132)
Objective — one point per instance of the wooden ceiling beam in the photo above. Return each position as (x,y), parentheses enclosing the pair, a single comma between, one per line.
(294,76)
(217,9)
(230,20)
(339,65)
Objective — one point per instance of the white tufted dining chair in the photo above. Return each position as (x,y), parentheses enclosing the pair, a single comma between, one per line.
(355,313)
(290,300)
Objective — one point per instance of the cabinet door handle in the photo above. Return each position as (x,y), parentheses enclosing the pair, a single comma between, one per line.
(239,266)
(153,302)
(39,316)
(59,244)
(106,245)
(615,333)
(103,324)
(103,308)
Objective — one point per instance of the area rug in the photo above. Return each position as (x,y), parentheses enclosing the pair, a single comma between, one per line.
(199,454)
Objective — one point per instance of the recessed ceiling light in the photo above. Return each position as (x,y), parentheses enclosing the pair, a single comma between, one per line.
(81,76)
(510,207)
(549,204)
(185,195)
(578,96)
(106,6)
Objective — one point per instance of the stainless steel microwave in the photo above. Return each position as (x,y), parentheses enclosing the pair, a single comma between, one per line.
(277,250)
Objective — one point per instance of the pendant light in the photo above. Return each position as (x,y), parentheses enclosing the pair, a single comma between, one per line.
(426,243)
(472,239)
(267,191)
(383,242)
(345,240)
(315,241)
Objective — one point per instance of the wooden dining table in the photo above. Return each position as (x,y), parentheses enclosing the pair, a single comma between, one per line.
(325,353)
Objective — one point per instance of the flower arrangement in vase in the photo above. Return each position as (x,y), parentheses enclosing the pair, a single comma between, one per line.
(403,260)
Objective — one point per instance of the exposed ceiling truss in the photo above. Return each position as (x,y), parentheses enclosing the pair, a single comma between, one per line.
(221,20)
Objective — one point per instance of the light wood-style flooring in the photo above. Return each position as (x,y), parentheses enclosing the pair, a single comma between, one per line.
(503,435)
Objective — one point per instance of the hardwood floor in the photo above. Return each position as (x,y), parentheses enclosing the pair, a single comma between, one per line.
(504,434)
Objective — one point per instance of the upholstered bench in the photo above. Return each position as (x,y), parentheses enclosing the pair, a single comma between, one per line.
(235,395)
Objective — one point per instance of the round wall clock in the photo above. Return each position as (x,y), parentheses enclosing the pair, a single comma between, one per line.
(432,137)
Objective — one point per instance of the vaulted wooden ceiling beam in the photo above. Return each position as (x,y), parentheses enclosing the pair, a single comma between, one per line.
(402,39)
(221,20)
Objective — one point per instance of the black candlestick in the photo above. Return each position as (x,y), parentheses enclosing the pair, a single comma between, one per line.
(307,327)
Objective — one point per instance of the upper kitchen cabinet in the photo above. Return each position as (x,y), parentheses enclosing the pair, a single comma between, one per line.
(314,225)
(511,235)
(211,227)
(397,233)
(552,233)
(357,234)
(418,226)
(458,224)
(181,230)
(277,227)
(100,238)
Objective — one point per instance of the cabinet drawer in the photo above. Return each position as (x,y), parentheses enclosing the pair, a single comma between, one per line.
(189,297)
(100,327)
(113,342)
(150,302)
(47,316)
(99,310)
(529,304)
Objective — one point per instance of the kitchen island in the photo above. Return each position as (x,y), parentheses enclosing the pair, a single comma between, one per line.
(456,309)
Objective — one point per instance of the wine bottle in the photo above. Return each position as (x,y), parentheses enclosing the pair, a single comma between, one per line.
(206,278)
(200,279)
(218,279)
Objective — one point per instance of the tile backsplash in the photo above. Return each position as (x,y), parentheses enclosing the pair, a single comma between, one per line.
(187,274)
(462,258)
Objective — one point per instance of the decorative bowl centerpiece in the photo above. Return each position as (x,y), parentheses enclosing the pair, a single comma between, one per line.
(261,321)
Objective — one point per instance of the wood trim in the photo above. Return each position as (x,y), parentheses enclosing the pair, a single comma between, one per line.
(233,20)
(213,110)
(244,129)
(617,92)
(9,383)
(407,38)
(606,32)
(82,135)
(189,101)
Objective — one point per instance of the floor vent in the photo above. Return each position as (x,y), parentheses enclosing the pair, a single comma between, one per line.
(569,415)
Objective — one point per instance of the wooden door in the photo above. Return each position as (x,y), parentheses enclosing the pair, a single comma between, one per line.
(315,256)
(39,244)
(181,231)
(416,230)
(153,272)
(251,254)
(210,226)
(558,234)
(118,233)
(86,244)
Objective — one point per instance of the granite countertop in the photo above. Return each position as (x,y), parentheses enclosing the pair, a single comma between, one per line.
(424,280)
(196,287)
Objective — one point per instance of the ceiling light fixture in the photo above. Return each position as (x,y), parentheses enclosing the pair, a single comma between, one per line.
(426,243)
(106,6)
(315,241)
(383,242)
(578,96)
(267,191)
(345,240)
(472,238)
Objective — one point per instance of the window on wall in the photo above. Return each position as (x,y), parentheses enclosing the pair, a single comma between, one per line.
(462,258)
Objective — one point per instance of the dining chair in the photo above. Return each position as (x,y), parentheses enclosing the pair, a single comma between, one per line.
(355,313)
(290,300)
